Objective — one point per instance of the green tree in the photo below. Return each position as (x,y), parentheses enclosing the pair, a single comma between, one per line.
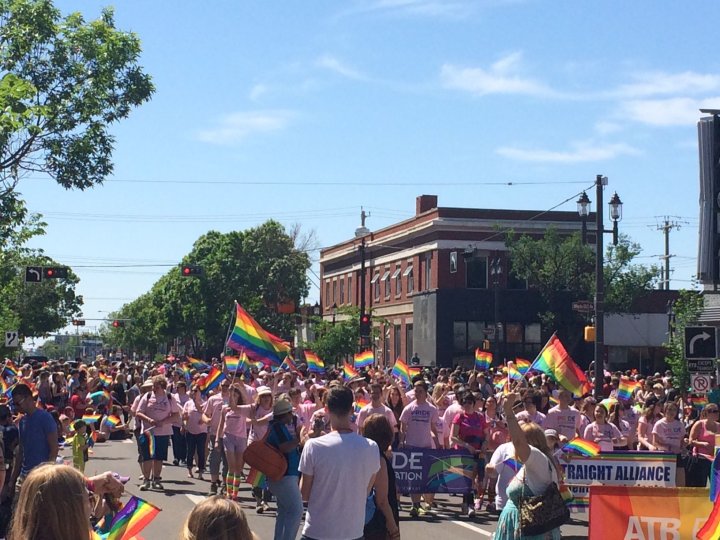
(338,340)
(687,309)
(63,82)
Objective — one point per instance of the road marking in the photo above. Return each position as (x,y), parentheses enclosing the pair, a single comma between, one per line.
(128,441)
(196,499)
(468,526)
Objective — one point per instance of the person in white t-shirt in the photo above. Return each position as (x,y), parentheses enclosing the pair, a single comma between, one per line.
(375,407)
(532,401)
(562,418)
(338,471)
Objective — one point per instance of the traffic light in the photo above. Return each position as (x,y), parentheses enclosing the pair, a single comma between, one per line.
(118,324)
(486,344)
(190,270)
(78,322)
(55,272)
(365,325)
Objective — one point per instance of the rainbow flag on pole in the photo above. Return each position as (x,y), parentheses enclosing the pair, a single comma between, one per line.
(91,418)
(232,363)
(483,359)
(402,372)
(555,361)
(581,446)
(131,519)
(256,342)
(349,371)
(364,359)
(711,529)
(289,364)
(522,365)
(198,364)
(255,478)
(105,379)
(314,362)
(211,380)
(113,421)
(626,388)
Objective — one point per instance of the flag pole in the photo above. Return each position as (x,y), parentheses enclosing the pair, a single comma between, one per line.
(242,351)
(230,327)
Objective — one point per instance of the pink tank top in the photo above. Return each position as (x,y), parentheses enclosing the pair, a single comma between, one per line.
(708,437)
(236,421)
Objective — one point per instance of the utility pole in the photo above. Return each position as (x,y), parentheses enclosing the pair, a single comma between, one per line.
(361,232)
(666,227)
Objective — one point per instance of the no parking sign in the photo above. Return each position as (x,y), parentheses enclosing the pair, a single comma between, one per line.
(700,383)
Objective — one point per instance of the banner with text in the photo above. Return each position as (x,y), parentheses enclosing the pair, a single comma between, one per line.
(425,470)
(640,469)
(642,513)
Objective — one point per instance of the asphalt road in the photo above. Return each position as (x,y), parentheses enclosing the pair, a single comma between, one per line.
(182,493)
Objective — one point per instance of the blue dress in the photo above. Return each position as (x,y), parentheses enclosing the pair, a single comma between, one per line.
(508,527)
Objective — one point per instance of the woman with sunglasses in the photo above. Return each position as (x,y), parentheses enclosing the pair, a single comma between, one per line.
(469,431)
(702,440)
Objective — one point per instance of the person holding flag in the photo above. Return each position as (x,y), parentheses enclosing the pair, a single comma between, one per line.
(232,430)
(195,427)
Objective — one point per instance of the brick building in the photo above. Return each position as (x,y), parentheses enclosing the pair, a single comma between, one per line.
(440,282)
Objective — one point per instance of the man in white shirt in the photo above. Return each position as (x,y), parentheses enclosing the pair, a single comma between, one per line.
(338,471)
(562,418)
(376,406)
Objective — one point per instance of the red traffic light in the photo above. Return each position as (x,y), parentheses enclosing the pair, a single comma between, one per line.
(365,319)
(55,272)
(118,324)
(186,271)
(50,272)
(189,270)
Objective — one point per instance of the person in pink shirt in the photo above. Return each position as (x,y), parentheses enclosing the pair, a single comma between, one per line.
(233,433)
(562,418)
(418,423)
(375,407)
(195,426)
(470,431)
(261,416)
(213,410)
(157,411)
(531,401)
(669,436)
(303,411)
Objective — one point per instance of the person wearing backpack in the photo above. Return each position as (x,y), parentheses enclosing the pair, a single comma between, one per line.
(284,434)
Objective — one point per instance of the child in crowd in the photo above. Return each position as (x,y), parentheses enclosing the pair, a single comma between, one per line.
(79,445)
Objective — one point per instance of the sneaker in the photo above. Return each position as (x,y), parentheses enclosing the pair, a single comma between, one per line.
(414,511)
(478,505)
(213,488)
(145,486)
(260,508)
(471,513)
(158,485)
(422,512)
(176,462)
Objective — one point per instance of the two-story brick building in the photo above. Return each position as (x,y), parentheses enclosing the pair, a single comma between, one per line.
(441,283)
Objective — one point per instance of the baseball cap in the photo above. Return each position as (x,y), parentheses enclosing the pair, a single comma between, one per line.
(264,391)
(551,433)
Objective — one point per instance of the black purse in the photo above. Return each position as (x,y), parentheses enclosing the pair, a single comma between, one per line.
(542,513)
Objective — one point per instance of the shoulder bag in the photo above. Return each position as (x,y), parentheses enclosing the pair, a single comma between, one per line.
(267,459)
(542,513)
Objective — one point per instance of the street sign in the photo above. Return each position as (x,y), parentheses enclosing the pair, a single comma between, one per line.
(12,338)
(583,306)
(489,332)
(33,274)
(700,383)
(701,366)
(700,342)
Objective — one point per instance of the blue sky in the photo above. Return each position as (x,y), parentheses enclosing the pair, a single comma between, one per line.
(260,103)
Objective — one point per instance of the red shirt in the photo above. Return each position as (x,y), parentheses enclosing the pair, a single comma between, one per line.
(471,428)
(78,404)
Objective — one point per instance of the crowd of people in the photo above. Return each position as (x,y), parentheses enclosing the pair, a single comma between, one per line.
(320,422)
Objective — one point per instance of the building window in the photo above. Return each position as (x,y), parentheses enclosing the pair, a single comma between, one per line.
(386,283)
(328,303)
(397,331)
(453,262)
(409,353)
(476,334)
(476,274)
(342,291)
(349,290)
(410,280)
(398,280)
(460,336)
(532,333)
(334,292)
(428,270)
(375,282)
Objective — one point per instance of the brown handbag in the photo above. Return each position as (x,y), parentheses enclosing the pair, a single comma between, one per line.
(266,458)
(542,513)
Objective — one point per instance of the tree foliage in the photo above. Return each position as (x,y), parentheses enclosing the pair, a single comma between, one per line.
(261,268)
(686,309)
(63,82)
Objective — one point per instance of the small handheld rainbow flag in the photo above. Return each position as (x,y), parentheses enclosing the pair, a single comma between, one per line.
(151,442)
(513,463)
(105,380)
(113,421)
(232,363)
(187,371)
(581,446)
(522,365)
(198,364)
(255,478)
(10,367)
(414,370)
(711,529)
(131,519)
(360,403)
(212,380)
(101,396)
(315,364)
(364,359)
(626,388)
(608,403)
(289,364)
(91,418)
(402,372)
(483,359)
(698,401)
(4,388)
(513,373)
(349,371)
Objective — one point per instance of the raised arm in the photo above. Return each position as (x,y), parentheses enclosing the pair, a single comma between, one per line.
(517,435)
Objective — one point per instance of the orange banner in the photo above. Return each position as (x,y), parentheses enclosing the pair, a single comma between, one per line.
(642,513)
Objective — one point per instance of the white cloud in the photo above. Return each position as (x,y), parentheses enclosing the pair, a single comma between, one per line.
(258,91)
(501,78)
(236,127)
(678,111)
(660,83)
(580,152)
(605,127)
(332,63)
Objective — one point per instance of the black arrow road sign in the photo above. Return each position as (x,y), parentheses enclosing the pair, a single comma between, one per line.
(33,274)
(700,342)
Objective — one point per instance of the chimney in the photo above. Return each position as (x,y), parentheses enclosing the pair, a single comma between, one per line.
(423,203)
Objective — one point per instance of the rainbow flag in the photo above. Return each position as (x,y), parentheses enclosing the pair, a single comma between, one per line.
(151,442)
(608,403)
(232,363)
(483,359)
(131,519)
(514,464)
(553,400)
(106,380)
(513,373)
(289,364)
(414,370)
(711,529)
(211,381)
(522,365)
(187,371)
(91,418)
(360,403)
(402,372)
(698,401)
(4,388)
(714,478)
(500,383)
(315,364)
(581,446)
(11,368)
(256,342)
(198,364)
(364,359)
(554,361)
(349,371)
(255,478)
(626,388)
(113,421)
(101,396)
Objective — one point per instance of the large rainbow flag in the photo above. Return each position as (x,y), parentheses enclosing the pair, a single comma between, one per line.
(131,519)
(555,361)
(255,341)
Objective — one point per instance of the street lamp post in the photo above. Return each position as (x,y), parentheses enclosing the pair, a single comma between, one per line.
(583,206)
(615,206)
(334,313)
(361,232)
(495,273)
